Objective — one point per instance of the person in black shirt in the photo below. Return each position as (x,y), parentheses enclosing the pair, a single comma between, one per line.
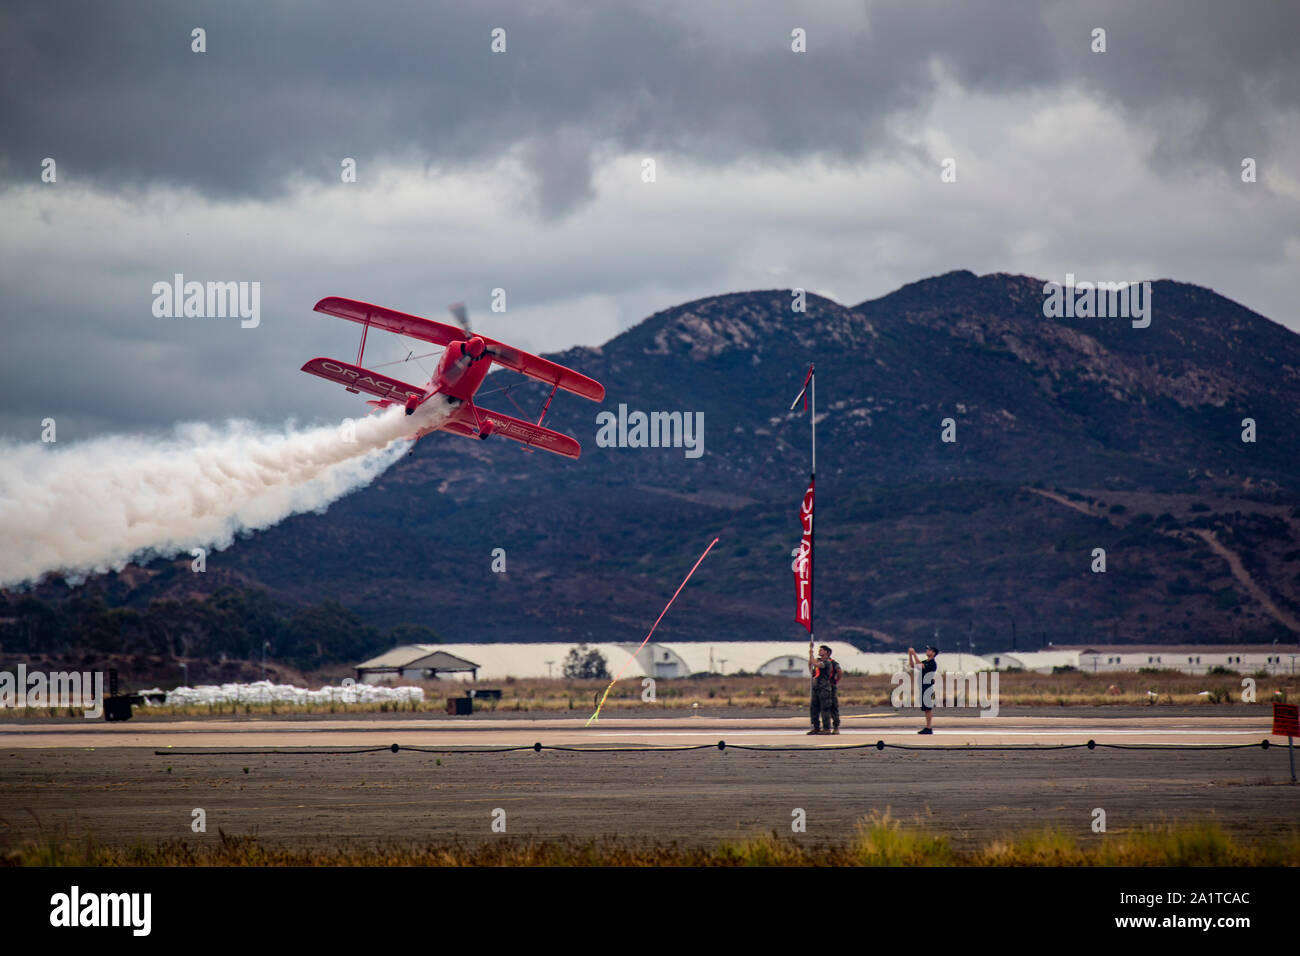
(929,672)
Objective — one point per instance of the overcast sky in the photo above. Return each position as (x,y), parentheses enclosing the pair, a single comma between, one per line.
(524,170)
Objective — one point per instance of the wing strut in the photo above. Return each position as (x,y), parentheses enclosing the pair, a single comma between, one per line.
(364,329)
(548,402)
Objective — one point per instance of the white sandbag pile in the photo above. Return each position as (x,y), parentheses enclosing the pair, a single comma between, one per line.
(264,692)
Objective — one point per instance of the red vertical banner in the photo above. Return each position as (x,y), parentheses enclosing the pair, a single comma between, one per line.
(802,564)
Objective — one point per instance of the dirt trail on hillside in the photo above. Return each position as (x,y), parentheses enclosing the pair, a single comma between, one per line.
(1061,499)
(1235,564)
(1241,574)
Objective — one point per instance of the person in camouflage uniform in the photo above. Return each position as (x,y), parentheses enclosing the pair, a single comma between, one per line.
(825,703)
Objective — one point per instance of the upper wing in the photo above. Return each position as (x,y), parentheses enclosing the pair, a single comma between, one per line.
(361,379)
(525,363)
(390,320)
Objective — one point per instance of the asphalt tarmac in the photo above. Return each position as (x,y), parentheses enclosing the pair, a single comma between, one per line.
(77,778)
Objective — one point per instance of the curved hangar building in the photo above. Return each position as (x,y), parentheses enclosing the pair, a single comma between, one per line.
(493,662)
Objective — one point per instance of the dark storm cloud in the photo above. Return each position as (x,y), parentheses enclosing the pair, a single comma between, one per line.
(520,171)
(1208,78)
(113,92)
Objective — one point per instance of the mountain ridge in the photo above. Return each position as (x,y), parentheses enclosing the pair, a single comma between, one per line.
(914,532)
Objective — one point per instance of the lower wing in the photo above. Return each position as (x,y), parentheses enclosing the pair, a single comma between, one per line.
(516,429)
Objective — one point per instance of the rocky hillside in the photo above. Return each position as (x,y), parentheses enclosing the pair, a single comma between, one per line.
(1071,435)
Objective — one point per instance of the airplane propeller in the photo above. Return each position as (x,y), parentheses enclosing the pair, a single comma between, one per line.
(473,346)
(462,316)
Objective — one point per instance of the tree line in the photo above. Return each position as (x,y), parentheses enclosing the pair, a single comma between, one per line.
(231,624)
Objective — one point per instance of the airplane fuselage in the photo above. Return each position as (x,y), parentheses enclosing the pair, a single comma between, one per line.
(460,372)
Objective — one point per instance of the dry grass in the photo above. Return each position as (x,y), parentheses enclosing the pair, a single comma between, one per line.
(578,697)
(880,840)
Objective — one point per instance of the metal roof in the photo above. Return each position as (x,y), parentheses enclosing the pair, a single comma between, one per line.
(399,656)
(441,661)
(1253,650)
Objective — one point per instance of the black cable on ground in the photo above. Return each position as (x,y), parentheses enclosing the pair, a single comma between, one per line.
(720,745)
(236,753)
(614,750)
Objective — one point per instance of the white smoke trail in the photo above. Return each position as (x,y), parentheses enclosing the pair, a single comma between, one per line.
(94,506)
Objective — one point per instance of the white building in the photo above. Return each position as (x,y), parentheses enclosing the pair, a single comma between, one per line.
(415,662)
(496,662)
(1041,662)
(1188,658)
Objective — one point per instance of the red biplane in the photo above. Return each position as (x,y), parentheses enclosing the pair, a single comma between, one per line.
(465,362)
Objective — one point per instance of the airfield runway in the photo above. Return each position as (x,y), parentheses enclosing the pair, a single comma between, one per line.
(75,778)
(483,731)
